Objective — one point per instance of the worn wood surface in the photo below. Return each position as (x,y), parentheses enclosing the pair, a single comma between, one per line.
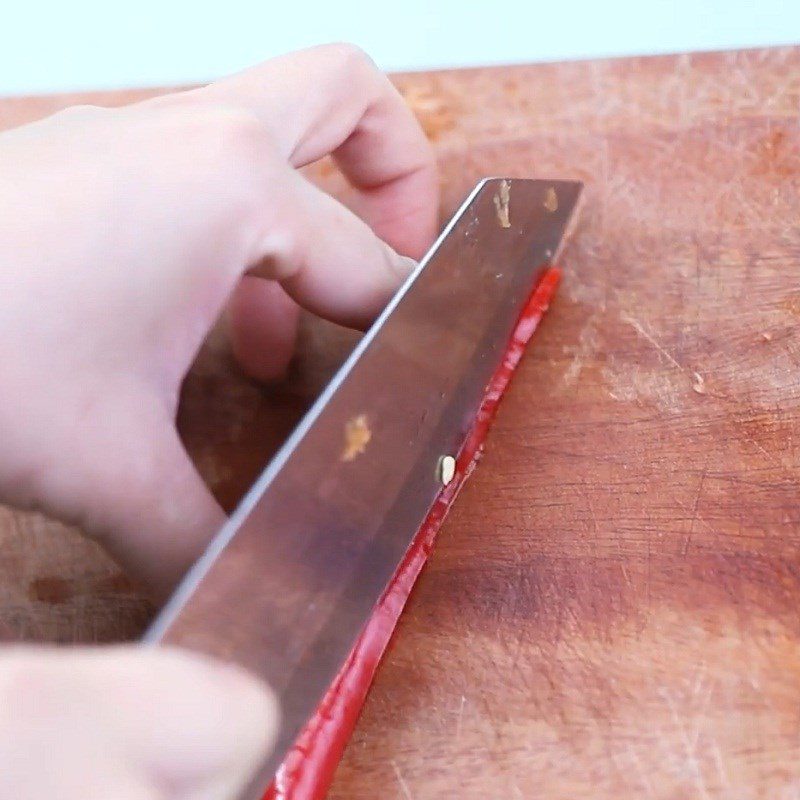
(612,608)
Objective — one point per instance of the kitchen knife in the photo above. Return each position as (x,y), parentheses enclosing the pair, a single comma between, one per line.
(286,586)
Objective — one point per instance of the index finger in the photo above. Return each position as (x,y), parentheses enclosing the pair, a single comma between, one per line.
(334,100)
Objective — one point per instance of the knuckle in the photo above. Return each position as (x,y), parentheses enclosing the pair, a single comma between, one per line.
(81,112)
(282,254)
(218,130)
(236,137)
(237,124)
(222,143)
(350,57)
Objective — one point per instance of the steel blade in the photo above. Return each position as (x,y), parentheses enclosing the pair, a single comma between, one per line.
(287,585)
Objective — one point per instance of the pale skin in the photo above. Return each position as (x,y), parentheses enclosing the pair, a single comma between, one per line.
(124,235)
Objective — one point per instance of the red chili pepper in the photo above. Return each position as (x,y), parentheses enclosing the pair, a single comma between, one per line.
(308,768)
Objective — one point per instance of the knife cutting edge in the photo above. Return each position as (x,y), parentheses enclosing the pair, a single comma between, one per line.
(288,583)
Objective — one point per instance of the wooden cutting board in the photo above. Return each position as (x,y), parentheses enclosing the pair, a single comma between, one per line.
(613,607)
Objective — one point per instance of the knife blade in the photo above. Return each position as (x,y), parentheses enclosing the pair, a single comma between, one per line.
(288,583)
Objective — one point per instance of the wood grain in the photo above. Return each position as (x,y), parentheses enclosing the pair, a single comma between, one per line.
(612,608)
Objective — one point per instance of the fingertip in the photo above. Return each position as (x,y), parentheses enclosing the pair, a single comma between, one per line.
(405,266)
(262,323)
(130,721)
(403,213)
(223,721)
(252,706)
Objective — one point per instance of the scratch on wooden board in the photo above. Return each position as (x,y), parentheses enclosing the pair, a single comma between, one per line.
(686,510)
(689,746)
(719,763)
(702,711)
(596,527)
(460,716)
(772,458)
(714,748)
(695,517)
(590,506)
(588,345)
(632,384)
(698,382)
(522,635)
(401,781)
(640,771)
(639,328)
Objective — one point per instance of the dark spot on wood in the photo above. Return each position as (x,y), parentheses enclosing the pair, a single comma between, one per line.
(115,584)
(55,590)
(777,155)
(51,590)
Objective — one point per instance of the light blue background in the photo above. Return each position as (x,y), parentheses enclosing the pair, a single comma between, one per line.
(83,44)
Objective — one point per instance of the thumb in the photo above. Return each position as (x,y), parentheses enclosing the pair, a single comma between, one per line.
(159,521)
(129,483)
(129,722)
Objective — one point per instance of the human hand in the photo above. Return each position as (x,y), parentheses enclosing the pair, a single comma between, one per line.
(124,233)
(128,723)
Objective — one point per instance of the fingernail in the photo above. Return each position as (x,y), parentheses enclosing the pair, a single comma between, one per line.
(405,266)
